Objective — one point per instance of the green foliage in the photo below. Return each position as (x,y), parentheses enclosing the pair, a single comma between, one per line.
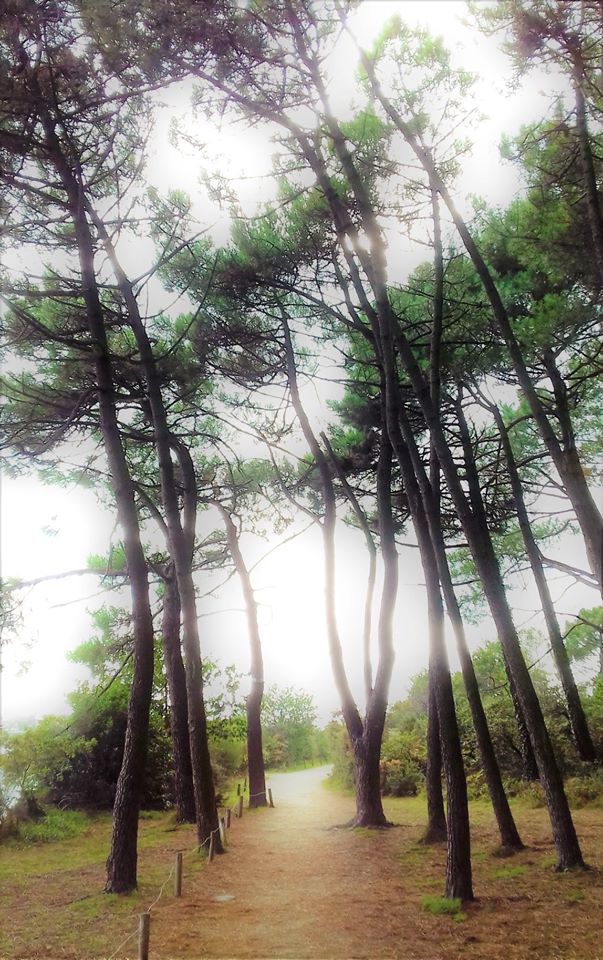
(289,733)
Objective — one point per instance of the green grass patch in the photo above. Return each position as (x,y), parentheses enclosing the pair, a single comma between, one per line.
(55,825)
(576,896)
(508,873)
(443,907)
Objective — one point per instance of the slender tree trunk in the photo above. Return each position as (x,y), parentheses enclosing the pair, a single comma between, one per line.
(510,839)
(181,545)
(589,177)
(122,861)
(568,849)
(365,738)
(568,465)
(253,704)
(184,792)
(372,574)
(530,768)
(435,831)
(436,818)
(582,737)
(458,862)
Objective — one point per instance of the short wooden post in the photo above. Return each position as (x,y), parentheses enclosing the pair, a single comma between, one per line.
(144,932)
(244,784)
(228,815)
(210,852)
(238,789)
(270,800)
(240,808)
(222,826)
(178,875)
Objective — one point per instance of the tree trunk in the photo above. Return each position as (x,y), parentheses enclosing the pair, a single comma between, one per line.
(253,704)
(568,465)
(181,544)
(367,779)
(458,860)
(184,793)
(510,839)
(582,737)
(589,177)
(436,818)
(365,738)
(122,860)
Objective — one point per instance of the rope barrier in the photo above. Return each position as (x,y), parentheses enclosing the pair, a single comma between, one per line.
(193,850)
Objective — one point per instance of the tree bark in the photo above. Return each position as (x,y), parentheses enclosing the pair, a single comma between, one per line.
(509,836)
(568,465)
(589,177)
(365,738)
(122,861)
(253,703)
(584,744)
(181,544)
(435,832)
(530,768)
(184,793)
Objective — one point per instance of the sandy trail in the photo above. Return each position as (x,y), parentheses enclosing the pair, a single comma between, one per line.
(291,887)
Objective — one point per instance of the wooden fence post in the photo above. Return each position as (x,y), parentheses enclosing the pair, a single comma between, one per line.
(178,875)
(244,784)
(222,826)
(270,800)
(228,816)
(240,809)
(210,852)
(238,789)
(144,930)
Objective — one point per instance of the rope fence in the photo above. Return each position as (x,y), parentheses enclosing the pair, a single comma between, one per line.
(143,931)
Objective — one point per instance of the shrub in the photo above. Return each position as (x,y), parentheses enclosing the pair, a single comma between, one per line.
(399,779)
(587,789)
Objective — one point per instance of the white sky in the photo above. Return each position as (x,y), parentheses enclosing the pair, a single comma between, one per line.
(289,582)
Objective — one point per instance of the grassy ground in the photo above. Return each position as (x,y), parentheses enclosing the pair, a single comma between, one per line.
(53,907)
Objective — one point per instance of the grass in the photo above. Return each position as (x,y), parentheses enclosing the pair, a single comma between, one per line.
(508,873)
(443,907)
(55,825)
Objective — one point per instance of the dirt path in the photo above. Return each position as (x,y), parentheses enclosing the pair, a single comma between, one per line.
(291,886)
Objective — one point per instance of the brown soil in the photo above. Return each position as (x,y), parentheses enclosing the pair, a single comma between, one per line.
(291,886)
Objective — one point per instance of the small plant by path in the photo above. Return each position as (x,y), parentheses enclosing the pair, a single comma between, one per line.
(443,907)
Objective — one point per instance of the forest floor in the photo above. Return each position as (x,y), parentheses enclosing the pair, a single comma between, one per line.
(292,885)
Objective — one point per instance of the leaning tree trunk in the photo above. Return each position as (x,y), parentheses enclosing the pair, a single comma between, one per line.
(122,861)
(253,703)
(510,839)
(579,725)
(589,176)
(181,545)
(435,832)
(528,760)
(458,861)
(567,463)
(184,792)
(365,738)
